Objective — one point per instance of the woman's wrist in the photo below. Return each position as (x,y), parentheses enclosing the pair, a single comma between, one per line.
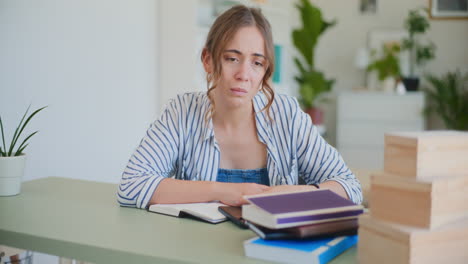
(315,185)
(215,191)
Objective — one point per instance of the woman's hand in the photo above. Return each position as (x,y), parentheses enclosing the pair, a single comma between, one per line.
(231,193)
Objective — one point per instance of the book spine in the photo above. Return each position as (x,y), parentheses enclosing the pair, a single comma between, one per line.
(318,217)
(336,249)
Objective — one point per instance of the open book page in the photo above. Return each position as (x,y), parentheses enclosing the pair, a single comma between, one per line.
(206,211)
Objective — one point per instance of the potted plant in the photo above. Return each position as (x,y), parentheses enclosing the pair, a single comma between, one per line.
(416,24)
(448,98)
(387,65)
(12,157)
(312,82)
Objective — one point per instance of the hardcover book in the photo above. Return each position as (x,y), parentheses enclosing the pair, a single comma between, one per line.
(282,210)
(346,227)
(204,211)
(328,229)
(311,251)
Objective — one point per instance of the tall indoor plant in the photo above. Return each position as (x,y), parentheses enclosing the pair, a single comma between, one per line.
(12,157)
(448,98)
(416,24)
(312,82)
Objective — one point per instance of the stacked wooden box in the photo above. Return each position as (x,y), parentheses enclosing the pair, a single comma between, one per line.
(419,204)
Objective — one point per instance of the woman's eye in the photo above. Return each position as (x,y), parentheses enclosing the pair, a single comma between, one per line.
(231,59)
(258,64)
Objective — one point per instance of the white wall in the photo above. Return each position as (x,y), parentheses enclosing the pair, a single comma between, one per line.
(178,53)
(94,63)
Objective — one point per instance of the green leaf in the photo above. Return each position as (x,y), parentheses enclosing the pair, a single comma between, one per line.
(311,82)
(20,151)
(448,97)
(16,132)
(20,148)
(15,139)
(3,138)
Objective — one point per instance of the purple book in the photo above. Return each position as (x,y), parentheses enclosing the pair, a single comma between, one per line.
(283,210)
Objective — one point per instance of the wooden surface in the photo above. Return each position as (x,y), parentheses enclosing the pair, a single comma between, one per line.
(420,203)
(427,154)
(387,243)
(82,220)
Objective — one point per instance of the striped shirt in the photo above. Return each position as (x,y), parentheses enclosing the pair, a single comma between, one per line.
(181,144)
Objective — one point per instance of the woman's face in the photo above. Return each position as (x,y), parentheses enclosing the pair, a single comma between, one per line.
(243,67)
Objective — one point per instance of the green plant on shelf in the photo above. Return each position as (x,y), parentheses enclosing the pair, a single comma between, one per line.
(387,65)
(417,24)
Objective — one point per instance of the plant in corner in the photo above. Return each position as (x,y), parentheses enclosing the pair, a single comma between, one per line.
(312,83)
(448,98)
(416,24)
(12,158)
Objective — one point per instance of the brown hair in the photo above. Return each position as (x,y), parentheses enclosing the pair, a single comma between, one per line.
(223,30)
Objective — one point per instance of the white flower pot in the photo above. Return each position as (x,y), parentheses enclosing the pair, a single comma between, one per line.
(11,174)
(388,84)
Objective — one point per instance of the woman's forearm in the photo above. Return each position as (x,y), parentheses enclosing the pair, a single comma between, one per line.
(171,191)
(335,187)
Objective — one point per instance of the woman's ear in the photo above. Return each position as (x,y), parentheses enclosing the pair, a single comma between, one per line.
(207,61)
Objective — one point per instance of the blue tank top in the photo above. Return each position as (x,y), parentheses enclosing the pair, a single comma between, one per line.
(259,176)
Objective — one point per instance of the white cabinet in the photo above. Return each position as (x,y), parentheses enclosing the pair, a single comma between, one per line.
(364,117)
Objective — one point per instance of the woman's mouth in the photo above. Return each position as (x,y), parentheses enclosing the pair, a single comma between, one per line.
(238,91)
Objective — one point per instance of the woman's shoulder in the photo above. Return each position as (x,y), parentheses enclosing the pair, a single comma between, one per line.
(185,101)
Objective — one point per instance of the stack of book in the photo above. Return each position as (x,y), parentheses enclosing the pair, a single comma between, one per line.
(419,204)
(300,227)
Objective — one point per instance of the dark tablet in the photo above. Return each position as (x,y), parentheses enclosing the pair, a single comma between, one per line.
(234,214)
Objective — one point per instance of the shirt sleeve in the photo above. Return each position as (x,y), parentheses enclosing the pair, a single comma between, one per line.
(153,160)
(318,161)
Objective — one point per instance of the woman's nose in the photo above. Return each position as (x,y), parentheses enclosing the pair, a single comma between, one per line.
(243,71)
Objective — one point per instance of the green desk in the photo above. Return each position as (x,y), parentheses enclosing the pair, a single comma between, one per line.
(82,220)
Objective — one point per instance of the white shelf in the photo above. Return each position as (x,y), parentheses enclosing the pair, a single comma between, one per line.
(364,117)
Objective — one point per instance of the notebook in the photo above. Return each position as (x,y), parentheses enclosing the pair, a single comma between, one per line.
(203,211)
(282,210)
(311,251)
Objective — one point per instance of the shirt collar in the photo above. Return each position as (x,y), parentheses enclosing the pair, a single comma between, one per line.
(263,128)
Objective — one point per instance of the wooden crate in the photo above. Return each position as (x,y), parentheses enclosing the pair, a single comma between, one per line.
(386,243)
(426,154)
(426,203)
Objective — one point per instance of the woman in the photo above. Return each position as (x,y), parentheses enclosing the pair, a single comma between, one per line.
(239,138)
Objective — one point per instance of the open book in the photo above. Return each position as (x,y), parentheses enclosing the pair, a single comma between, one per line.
(205,211)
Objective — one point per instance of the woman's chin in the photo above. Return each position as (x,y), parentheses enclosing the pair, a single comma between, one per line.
(236,102)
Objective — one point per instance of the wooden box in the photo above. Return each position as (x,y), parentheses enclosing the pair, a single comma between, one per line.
(426,154)
(426,203)
(386,243)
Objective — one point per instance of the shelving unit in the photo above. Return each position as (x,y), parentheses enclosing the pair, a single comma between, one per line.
(364,117)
